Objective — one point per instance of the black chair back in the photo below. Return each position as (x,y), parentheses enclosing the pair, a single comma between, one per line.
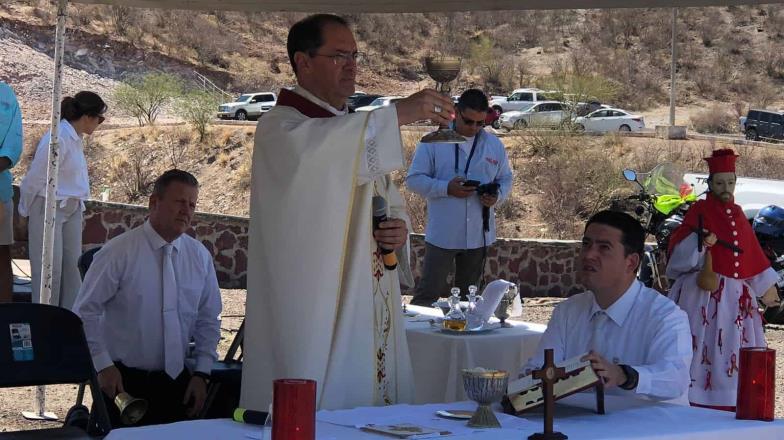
(86,259)
(45,345)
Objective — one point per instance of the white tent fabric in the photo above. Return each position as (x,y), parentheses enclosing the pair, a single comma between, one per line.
(356,6)
(336,6)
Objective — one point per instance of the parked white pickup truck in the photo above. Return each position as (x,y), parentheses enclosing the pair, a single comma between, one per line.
(518,99)
(751,194)
(248,106)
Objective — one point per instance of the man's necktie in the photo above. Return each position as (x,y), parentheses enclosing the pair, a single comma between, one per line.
(172,339)
(598,322)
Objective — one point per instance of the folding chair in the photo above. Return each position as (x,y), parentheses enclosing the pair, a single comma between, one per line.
(226,377)
(45,345)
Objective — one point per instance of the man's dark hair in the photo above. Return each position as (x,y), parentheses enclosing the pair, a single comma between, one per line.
(173,175)
(632,233)
(306,35)
(473,99)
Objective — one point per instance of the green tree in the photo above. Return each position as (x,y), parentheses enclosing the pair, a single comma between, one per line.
(198,108)
(485,56)
(145,96)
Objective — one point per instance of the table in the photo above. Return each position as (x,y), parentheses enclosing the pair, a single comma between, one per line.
(437,358)
(625,419)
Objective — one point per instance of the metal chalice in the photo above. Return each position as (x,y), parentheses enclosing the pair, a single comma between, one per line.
(484,387)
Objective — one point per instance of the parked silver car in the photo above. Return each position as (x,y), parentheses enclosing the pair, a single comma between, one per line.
(540,114)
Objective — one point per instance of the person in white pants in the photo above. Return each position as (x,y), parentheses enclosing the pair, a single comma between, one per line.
(81,114)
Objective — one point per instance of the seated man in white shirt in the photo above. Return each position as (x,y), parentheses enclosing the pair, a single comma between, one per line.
(638,341)
(147,294)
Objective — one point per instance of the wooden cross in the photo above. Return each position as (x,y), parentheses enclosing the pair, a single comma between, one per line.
(549,374)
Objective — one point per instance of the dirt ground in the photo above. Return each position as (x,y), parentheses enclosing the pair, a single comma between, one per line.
(61,397)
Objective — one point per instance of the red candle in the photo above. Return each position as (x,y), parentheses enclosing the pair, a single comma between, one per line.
(756,384)
(294,409)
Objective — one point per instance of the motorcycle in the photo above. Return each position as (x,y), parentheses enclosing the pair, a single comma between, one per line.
(660,206)
(768,226)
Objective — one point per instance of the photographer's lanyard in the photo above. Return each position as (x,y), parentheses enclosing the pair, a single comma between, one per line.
(470,155)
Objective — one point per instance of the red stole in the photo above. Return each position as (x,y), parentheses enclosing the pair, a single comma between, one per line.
(303,105)
(717,217)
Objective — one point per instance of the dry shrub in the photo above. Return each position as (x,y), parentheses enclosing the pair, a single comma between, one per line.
(223,159)
(574,183)
(243,173)
(134,172)
(716,119)
(544,143)
(32,135)
(761,162)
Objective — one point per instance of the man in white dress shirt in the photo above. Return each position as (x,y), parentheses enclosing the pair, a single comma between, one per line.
(637,340)
(147,294)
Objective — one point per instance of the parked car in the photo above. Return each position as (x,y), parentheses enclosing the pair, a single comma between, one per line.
(248,106)
(610,119)
(540,114)
(379,102)
(764,124)
(519,99)
(493,118)
(360,99)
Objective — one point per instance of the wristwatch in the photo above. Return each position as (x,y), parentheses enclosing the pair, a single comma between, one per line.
(631,377)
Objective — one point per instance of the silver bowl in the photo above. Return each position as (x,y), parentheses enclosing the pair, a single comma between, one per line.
(485,387)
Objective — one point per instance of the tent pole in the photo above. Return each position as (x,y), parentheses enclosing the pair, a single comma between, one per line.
(672,64)
(40,412)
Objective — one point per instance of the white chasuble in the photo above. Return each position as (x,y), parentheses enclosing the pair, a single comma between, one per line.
(318,307)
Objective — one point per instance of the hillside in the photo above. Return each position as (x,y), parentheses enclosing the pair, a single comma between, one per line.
(729,54)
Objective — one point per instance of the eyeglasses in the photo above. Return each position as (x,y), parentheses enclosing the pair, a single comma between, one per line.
(471,122)
(341,58)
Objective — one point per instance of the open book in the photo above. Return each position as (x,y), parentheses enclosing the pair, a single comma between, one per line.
(405,430)
(526,393)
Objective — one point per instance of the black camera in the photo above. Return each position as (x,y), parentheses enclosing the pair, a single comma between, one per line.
(490,189)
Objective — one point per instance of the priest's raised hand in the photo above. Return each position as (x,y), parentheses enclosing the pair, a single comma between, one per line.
(425,104)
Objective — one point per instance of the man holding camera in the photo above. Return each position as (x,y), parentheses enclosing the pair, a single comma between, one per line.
(462,183)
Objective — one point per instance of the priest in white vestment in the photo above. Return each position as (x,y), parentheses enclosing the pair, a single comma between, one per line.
(321,305)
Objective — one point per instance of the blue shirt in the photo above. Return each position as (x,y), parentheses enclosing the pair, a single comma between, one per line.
(10,137)
(454,223)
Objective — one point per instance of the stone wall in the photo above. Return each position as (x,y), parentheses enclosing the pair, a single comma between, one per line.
(540,267)
(226,237)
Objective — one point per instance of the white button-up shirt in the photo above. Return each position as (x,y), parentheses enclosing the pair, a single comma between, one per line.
(72,179)
(454,223)
(645,330)
(121,301)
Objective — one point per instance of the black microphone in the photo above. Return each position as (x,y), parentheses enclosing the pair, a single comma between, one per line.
(250,416)
(379,216)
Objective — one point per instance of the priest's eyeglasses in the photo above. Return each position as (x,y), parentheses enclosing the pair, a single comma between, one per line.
(341,58)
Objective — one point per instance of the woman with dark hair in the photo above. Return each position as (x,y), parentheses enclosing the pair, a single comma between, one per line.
(80,115)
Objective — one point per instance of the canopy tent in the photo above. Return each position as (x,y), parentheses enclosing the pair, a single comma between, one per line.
(357,6)
(336,6)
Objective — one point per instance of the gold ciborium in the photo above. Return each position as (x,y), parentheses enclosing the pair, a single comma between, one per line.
(131,409)
(443,70)
(484,387)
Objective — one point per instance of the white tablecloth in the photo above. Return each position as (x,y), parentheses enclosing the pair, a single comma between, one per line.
(625,419)
(438,357)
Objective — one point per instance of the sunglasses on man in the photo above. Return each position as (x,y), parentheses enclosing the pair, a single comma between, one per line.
(471,122)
